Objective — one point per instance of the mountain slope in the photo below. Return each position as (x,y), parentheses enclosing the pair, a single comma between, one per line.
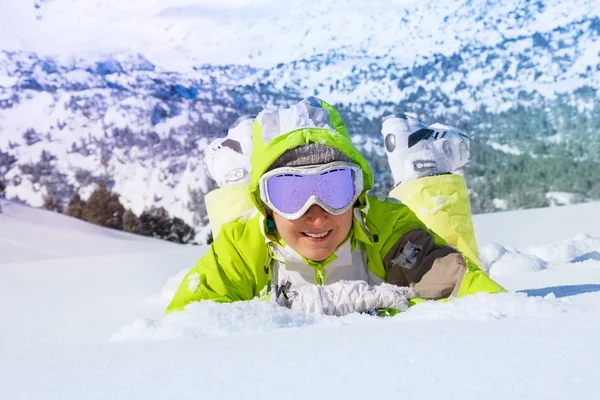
(186,33)
(132,91)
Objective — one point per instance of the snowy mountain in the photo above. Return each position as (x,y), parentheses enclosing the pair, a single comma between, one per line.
(134,90)
(83,319)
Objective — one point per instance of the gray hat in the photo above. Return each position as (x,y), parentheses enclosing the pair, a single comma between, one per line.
(310,154)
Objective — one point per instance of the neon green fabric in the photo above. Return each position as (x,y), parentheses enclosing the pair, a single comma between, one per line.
(225,204)
(237,266)
(442,203)
(234,268)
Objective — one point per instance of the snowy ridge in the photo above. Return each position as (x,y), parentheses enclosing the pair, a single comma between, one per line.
(503,261)
(55,234)
(187,33)
(257,317)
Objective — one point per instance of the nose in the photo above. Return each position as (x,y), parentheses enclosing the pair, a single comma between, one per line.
(316,216)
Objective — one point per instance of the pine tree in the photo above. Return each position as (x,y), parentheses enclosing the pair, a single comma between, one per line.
(104,208)
(131,223)
(2,189)
(181,232)
(52,203)
(75,207)
(31,137)
(156,223)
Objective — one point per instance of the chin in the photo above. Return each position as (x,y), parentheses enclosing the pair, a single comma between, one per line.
(317,255)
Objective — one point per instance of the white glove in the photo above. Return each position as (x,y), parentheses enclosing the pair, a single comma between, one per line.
(415,150)
(345,297)
(227,160)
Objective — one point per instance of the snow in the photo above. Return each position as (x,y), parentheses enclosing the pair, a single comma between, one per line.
(505,148)
(500,204)
(511,264)
(83,319)
(538,226)
(7,81)
(58,236)
(560,198)
(181,33)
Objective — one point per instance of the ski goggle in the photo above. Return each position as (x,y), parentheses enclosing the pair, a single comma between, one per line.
(291,191)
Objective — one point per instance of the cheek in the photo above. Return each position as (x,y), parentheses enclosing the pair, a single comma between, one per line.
(344,224)
(284,226)
(345,220)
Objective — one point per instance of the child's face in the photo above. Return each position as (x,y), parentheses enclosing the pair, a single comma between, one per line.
(300,234)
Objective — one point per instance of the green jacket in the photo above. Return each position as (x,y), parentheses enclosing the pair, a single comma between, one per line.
(238,265)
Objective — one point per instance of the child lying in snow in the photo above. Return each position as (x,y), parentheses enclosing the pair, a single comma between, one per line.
(303,228)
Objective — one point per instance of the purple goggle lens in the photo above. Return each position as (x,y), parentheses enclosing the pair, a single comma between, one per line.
(290,192)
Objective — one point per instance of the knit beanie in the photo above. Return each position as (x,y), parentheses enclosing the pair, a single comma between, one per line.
(310,154)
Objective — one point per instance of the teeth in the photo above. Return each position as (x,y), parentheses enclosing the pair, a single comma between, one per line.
(317,235)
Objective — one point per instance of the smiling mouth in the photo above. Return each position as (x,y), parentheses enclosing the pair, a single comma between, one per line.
(316,236)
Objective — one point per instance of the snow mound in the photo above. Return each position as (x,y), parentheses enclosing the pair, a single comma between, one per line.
(487,307)
(217,319)
(209,319)
(168,290)
(515,263)
(569,251)
(503,261)
(491,253)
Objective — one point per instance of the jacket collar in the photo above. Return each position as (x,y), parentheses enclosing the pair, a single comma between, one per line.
(359,228)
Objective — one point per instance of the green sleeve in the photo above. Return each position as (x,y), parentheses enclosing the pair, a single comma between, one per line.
(231,270)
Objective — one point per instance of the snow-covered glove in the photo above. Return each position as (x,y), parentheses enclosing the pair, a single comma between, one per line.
(227,160)
(346,297)
(415,150)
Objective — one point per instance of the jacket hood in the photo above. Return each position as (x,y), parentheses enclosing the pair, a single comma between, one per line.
(312,120)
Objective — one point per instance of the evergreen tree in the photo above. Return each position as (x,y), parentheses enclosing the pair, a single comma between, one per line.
(2,189)
(104,208)
(31,137)
(131,223)
(156,223)
(75,207)
(181,232)
(52,203)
